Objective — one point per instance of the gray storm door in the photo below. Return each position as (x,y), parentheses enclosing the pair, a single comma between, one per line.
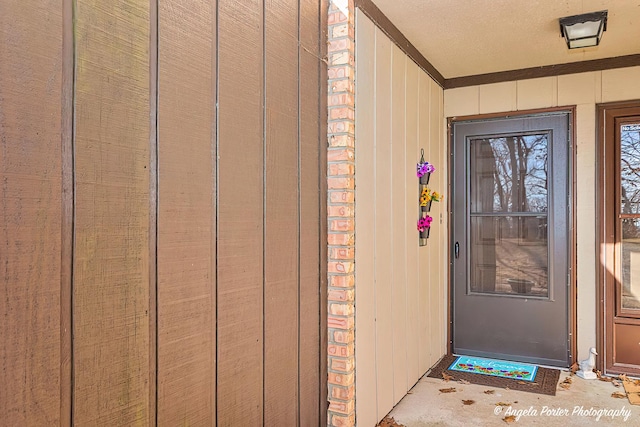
(510,238)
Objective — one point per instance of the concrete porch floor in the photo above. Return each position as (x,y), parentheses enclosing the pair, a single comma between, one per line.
(578,405)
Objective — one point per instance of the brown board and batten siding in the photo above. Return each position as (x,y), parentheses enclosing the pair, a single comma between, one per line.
(186,216)
(30,211)
(163,197)
(111,331)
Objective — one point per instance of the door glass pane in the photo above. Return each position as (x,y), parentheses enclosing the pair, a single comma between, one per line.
(508,255)
(630,169)
(509,174)
(631,263)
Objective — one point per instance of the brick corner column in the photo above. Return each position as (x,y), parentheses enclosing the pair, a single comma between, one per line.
(340,206)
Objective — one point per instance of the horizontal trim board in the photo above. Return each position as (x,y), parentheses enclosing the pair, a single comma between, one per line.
(399,39)
(545,71)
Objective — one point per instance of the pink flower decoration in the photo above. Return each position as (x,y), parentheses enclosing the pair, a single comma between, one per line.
(424,223)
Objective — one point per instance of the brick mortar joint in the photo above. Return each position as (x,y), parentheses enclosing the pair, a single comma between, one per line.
(338,79)
(342,119)
(348,22)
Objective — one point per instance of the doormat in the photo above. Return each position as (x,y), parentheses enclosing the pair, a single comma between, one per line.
(632,387)
(544,382)
(496,368)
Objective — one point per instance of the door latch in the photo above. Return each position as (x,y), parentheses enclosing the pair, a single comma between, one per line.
(456,250)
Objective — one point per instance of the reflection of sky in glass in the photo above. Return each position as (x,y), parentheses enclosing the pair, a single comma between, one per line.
(630,169)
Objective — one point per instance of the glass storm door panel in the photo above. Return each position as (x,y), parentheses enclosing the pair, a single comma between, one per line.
(511,240)
(628,261)
(622,318)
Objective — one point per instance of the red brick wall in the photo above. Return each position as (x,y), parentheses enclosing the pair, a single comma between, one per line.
(341,182)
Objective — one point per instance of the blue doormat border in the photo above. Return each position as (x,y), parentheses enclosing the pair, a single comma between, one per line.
(496,368)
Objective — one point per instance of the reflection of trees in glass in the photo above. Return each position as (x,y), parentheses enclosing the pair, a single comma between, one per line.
(520,173)
(630,169)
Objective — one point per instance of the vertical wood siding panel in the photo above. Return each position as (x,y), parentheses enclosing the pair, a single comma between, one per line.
(615,85)
(536,93)
(443,223)
(186,217)
(311,142)
(281,215)
(498,97)
(66,327)
(411,217)
(240,213)
(383,226)
(436,271)
(398,177)
(111,266)
(426,350)
(30,172)
(365,223)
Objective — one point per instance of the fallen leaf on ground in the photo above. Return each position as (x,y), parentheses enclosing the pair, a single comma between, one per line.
(468,402)
(464,382)
(602,377)
(619,395)
(489,391)
(623,377)
(446,376)
(616,383)
(389,422)
(448,390)
(503,404)
(574,368)
(566,384)
(509,419)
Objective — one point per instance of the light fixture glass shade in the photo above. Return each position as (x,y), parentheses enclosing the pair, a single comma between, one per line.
(585,30)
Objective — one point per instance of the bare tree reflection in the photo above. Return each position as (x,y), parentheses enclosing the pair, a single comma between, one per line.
(509,175)
(630,169)
(630,205)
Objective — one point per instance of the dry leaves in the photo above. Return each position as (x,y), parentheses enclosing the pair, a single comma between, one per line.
(619,395)
(464,382)
(446,377)
(509,419)
(574,368)
(602,377)
(468,402)
(566,384)
(489,391)
(448,390)
(503,404)
(389,422)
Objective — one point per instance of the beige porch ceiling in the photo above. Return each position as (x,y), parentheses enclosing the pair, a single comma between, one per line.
(470,37)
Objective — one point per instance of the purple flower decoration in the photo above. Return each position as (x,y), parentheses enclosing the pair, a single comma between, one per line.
(424,168)
(424,223)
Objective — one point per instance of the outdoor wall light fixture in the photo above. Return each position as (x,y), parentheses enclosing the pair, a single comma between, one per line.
(583,30)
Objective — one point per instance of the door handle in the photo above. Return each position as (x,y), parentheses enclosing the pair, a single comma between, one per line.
(456,250)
